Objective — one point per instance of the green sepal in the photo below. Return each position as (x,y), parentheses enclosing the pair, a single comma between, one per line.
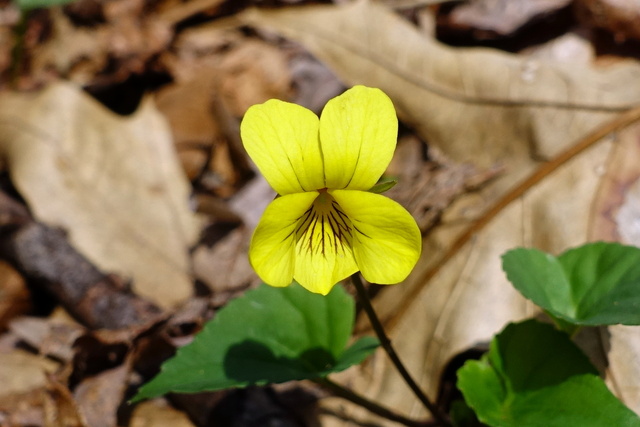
(385,184)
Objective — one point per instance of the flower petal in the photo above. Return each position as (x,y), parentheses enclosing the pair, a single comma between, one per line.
(272,249)
(323,251)
(358,132)
(386,240)
(282,139)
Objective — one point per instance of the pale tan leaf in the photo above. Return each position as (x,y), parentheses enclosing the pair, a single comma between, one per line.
(476,105)
(484,107)
(21,372)
(156,413)
(112,182)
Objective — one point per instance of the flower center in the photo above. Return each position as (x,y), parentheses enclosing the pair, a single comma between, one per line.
(324,227)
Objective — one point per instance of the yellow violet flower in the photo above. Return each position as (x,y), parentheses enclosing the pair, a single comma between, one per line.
(326,225)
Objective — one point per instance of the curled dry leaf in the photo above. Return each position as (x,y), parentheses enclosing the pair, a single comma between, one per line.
(112,183)
(484,107)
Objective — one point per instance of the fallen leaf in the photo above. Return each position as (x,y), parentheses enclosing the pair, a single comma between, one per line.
(112,183)
(156,413)
(15,298)
(476,105)
(546,123)
(21,372)
(49,337)
(224,267)
(99,396)
(463,302)
(118,44)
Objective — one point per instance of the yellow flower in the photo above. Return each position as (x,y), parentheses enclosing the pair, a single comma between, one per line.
(327,225)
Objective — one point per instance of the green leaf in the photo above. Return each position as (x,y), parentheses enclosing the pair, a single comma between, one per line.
(268,335)
(535,376)
(595,284)
(34,4)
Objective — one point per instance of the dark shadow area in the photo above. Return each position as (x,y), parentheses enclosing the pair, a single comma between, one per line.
(255,363)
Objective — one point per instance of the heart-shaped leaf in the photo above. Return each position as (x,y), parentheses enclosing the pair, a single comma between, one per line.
(535,376)
(595,284)
(269,335)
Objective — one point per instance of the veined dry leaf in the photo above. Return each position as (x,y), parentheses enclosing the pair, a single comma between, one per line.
(476,105)
(485,107)
(587,194)
(112,182)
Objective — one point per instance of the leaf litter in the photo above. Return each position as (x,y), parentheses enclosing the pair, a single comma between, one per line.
(110,270)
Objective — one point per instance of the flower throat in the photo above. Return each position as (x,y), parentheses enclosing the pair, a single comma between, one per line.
(324,227)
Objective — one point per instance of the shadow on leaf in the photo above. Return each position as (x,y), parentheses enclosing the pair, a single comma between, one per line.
(255,363)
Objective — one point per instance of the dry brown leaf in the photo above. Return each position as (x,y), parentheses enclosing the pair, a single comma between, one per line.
(484,107)
(476,105)
(15,297)
(98,397)
(119,43)
(187,107)
(587,195)
(112,182)
(21,372)
(50,337)
(156,413)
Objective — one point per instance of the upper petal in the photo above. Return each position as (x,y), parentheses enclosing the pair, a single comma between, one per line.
(282,139)
(272,249)
(358,132)
(386,239)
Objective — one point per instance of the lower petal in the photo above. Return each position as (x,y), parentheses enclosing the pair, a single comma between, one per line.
(386,239)
(323,251)
(272,249)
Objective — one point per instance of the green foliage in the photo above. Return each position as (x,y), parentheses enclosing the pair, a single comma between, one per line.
(535,376)
(269,335)
(34,4)
(595,284)
(463,416)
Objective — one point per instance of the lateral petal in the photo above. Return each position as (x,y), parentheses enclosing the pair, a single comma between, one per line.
(282,139)
(386,239)
(358,132)
(272,249)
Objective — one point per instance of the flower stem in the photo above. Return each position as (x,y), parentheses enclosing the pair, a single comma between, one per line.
(338,390)
(385,342)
